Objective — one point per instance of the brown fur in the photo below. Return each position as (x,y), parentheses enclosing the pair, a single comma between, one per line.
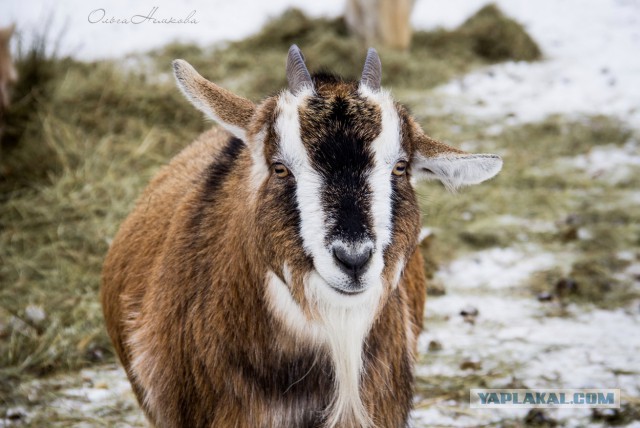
(185,293)
(156,250)
(227,106)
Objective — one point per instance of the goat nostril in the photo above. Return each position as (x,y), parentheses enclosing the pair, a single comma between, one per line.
(352,261)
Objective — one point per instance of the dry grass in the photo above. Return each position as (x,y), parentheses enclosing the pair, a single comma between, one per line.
(434,57)
(68,183)
(537,200)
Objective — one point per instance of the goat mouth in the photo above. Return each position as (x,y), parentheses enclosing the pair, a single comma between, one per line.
(349,291)
(344,288)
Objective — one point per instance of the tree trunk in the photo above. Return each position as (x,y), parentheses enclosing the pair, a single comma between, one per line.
(381,22)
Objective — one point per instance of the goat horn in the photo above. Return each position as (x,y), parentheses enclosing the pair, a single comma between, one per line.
(372,72)
(297,74)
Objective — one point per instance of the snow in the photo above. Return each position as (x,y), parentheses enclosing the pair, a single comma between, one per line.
(591,63)
(609,162)
(530,224)
(91,393)
(494,268)
(35,313)
(429,415)
(591,47)
(217,21)
(517,336)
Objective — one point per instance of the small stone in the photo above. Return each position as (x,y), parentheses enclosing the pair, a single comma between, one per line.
(95,353)
(584,234)
(573,220)
(566,286)
(469,314)
(16,413)
(545,296)
(606,415)
(435,346)
(436,288)
(35,314)
(569,234)
(471,365)
(539,418)
(16,324)
(469,311)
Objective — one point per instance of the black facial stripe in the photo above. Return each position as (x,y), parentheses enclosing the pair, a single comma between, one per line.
(216,174)
(337,132)
(396,200)
(288,201)
(349,218)
(289,210)
(218,171)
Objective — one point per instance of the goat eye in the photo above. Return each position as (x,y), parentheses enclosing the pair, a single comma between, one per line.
(400,168)
(280,170)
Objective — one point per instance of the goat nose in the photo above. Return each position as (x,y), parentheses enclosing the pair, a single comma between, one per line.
(352,262)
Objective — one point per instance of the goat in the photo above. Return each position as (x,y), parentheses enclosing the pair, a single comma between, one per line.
(269,276)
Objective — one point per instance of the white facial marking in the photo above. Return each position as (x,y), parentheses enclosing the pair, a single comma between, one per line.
(342,329)
(344,320)
(387,150)
(346,323)
(259,167)
(309,185)
(399,270)
(288,311)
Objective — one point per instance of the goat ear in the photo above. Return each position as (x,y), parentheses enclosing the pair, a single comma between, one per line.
(455,168)
(231,111)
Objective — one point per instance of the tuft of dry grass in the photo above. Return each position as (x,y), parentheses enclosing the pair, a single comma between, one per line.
(253,66)
(497,37)
(96,140)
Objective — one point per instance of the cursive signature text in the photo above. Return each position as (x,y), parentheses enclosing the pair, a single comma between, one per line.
(99,16)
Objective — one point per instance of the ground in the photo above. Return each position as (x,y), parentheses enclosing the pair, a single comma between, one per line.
(538,271)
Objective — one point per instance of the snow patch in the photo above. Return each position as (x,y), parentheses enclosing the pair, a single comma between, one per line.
(517,338)
(611,163)
(217,21)
(494,268)
(90,393)
(590,65)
